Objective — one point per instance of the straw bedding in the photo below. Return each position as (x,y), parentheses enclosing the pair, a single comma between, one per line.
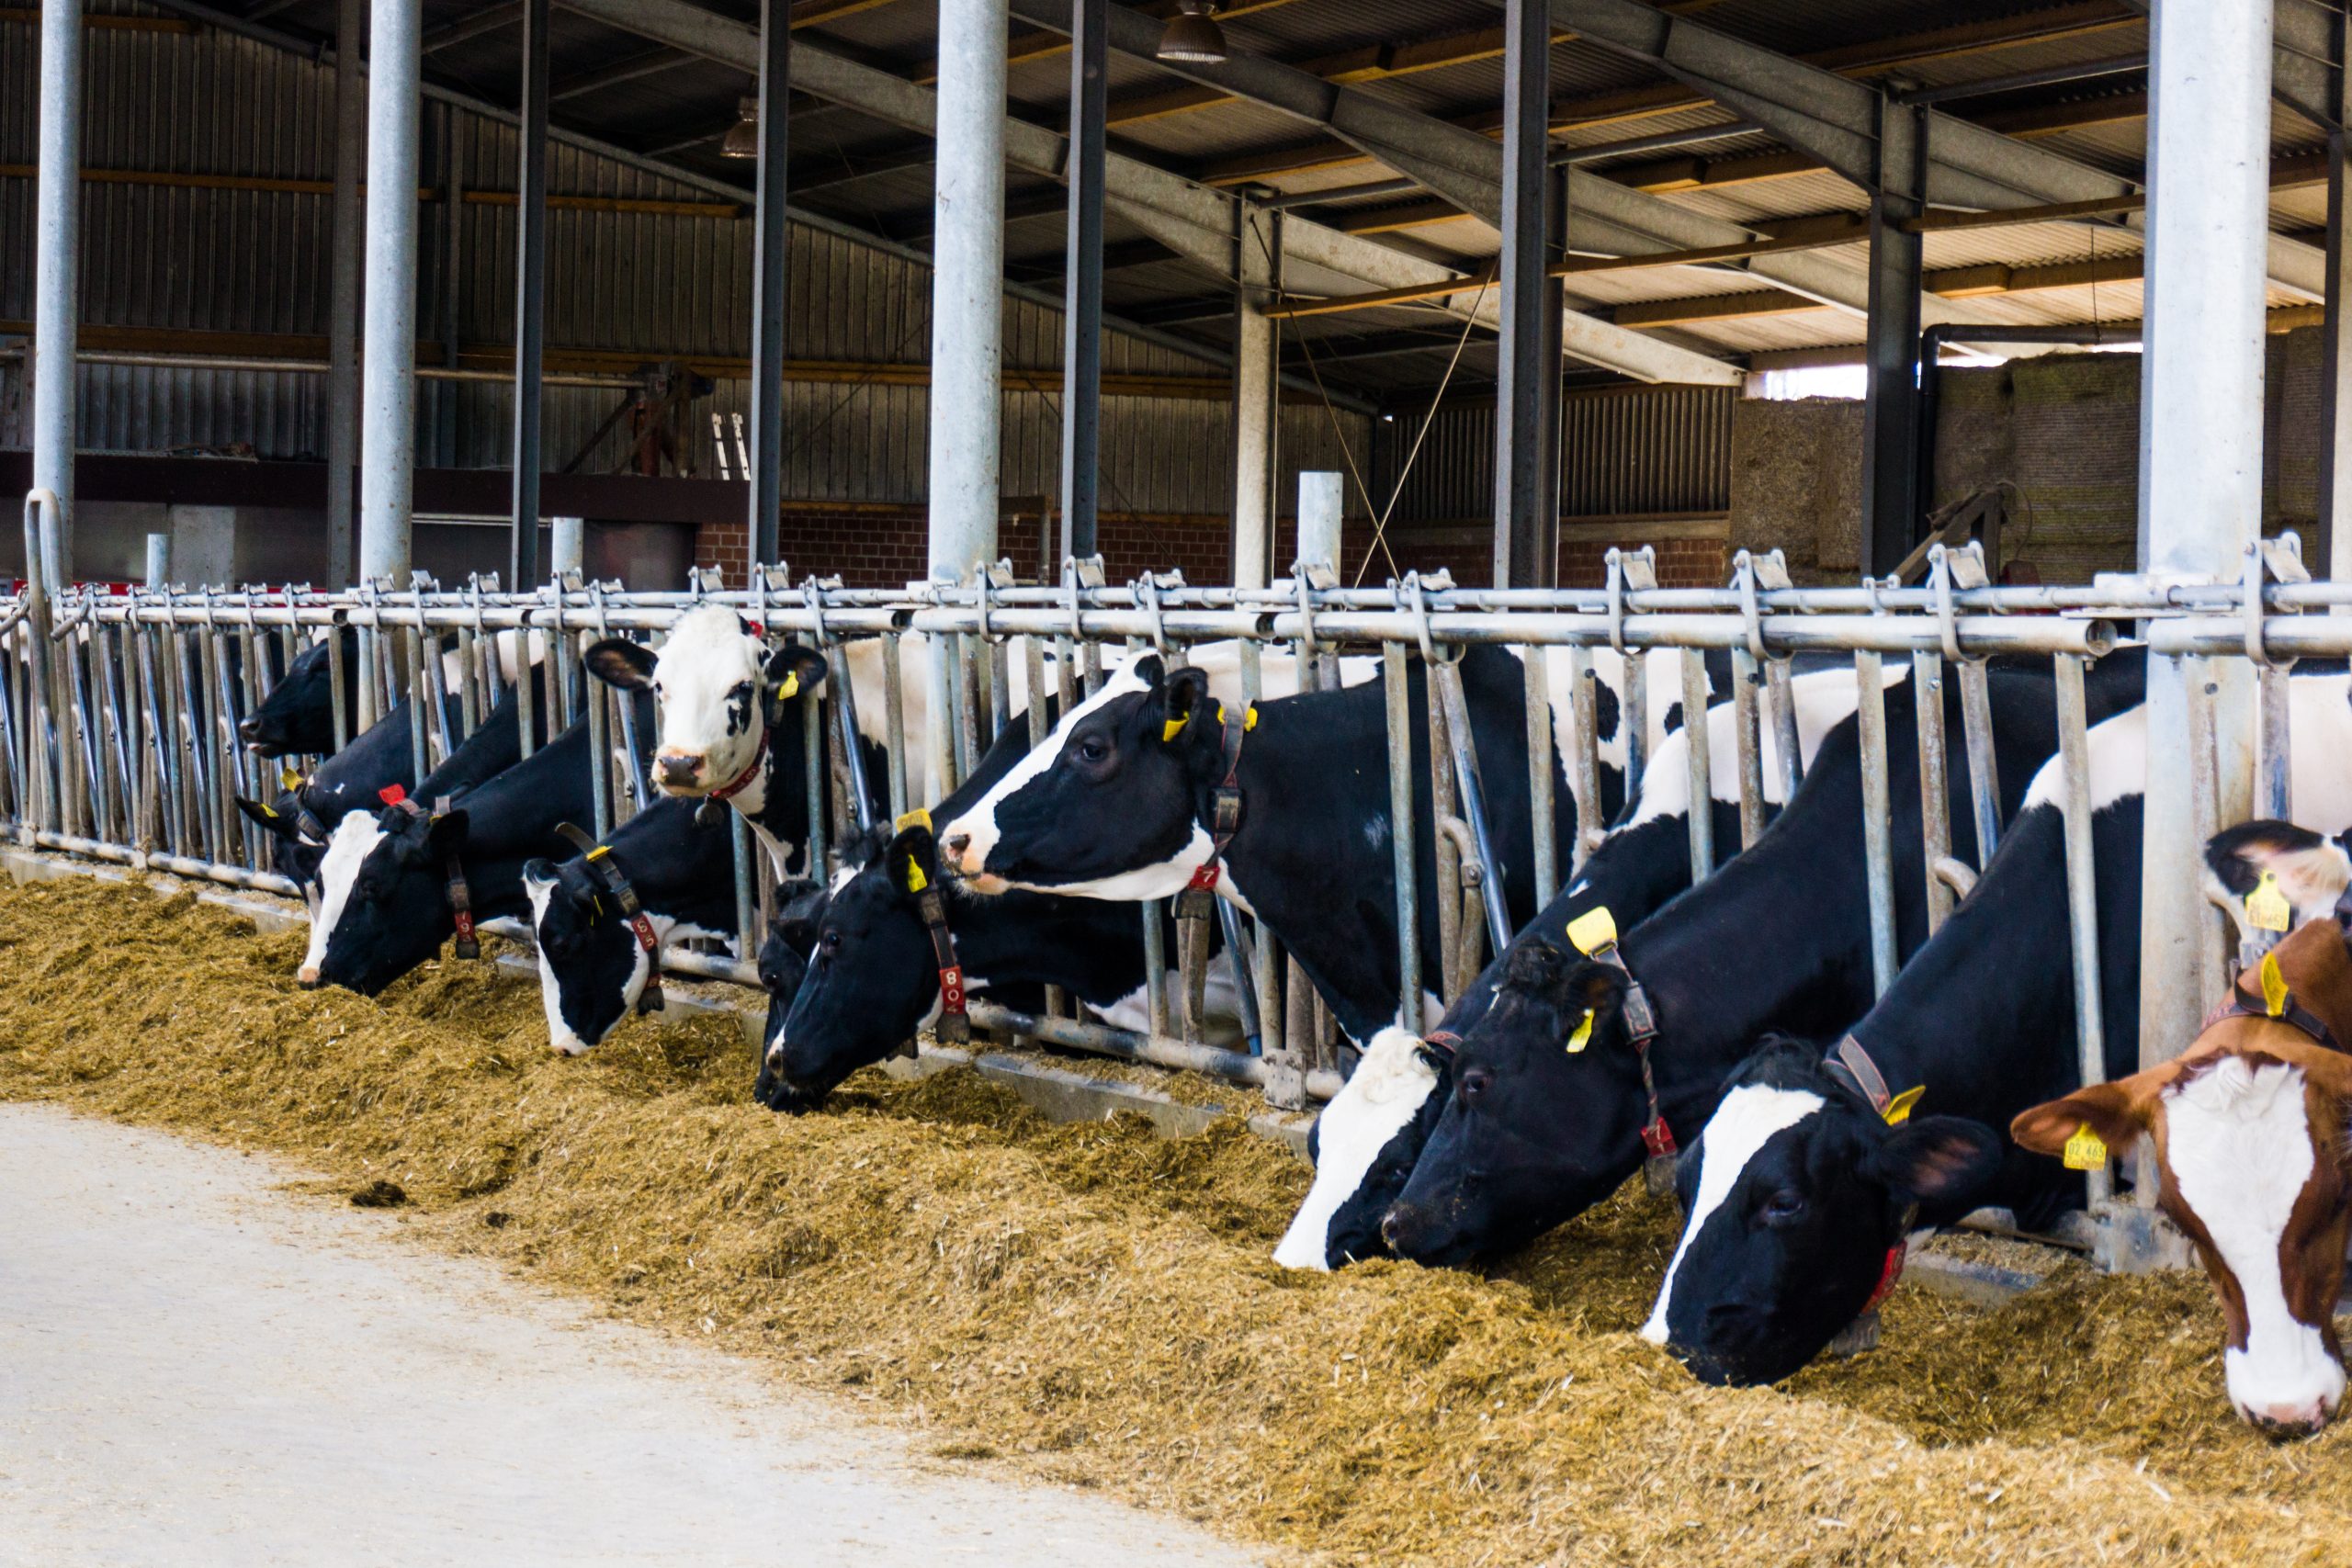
(1095,1303)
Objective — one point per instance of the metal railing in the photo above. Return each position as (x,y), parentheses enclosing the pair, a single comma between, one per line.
(118,714)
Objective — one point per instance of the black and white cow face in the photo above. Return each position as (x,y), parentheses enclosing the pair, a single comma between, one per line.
(395,912)
(1543,1118)
(784,955)
(297,842)
(872,981)
(1795,1200)
(1365,1145)
(1105,806)
(592,966)
(713,677)
(298,713)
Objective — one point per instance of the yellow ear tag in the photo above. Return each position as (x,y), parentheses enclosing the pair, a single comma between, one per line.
(915,819)
(2274,986)
(266,811)
(1898,1109)
(1583,1036)
(791,687)
(288,779)
(1593,929)
(2267,909)
(1170,729)
(1249,719)
(2086,1150)
(916,880)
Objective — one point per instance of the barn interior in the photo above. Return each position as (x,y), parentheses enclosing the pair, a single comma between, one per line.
(1760,322)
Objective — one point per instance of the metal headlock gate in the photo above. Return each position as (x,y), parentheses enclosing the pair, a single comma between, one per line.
(119,715)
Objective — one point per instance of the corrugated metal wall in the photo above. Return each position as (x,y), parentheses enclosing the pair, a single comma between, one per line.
(661,284)
(1638,451)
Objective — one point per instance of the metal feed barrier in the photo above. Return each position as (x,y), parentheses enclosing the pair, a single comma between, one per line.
(118,714)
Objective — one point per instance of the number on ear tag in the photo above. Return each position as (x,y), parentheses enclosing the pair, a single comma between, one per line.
(2267,909)
(1593,929)
(1898,1109)
(2086,1150)
(1583,1035)
(2274,986)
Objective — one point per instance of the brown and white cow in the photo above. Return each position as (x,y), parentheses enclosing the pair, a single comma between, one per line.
(2249,1128)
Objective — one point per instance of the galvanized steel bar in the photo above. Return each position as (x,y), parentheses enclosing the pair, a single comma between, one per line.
(1584,754)
(1698,746)
(1746,677)
(1541,764)
(1934,798)
(1404,865)
(1445,682)
(388,347)
(770,297)
(1984,765)
(2082,890)
(57,271)
(1878,852)
(530,295)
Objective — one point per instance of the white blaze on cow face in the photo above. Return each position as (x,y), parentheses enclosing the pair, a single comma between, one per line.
(710,677)
(1747,1119)
(2238,1145)
(1387,1091)
(353,839)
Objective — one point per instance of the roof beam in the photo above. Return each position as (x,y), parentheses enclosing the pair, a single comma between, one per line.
(489,19)
(635,68)
(1951,283)
(1189,219)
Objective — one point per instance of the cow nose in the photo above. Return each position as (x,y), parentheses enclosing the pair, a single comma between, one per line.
(678,768)
(1388,1229)
(309,979)
(249,731)
(2290,1419)
(956,843)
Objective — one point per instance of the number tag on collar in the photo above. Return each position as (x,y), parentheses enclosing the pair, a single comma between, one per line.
(916,880)
(1583,1035)
(2274,986)
(1898,1109)
(1593,929)
(915,819)
(2267,909)
(391,795)
(2086,1150)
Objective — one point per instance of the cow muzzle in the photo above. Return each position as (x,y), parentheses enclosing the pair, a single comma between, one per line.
(680,770)
(249,731)
(309,979)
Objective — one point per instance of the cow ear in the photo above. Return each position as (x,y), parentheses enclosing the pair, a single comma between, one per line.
(446,834)
(800,911)
(268,818)
(538,873)
(617,661)
(1538,971)
(912,860)
(1183,694)
(795,666)
(1938,1159)
(2310,871)
(2113,1112)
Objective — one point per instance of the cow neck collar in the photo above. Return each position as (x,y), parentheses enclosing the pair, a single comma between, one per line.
(2274,1000)
(1853,1067)
(1224,811)
(753,770)
(453,872)
(1597,939)
(632,908)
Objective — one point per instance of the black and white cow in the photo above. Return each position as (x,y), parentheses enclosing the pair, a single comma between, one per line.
(1366,1141)
(1798,1196)
(398,910)
(872,981)
(1548,1104)
(354,805)
(300,818)
(1112,806)
(593,969)
(298,717)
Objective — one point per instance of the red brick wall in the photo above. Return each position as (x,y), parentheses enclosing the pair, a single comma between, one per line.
(1681,563)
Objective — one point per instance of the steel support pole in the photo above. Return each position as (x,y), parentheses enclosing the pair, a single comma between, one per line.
(569,544)
(1890,408)
(770,255)
(2333,538)
(343,293)
(57,273)
(387,365)
(530,298)
(967,288)
(1082,281)
(2200,459)
(1527,388)
(1257,394)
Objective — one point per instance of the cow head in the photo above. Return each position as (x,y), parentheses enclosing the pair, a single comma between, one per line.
(1543,1120)
(1365,1145)
(394,910)
(872,981)
(714,677)
(297,841)
(298,713)
(2249,1128)
(1794,1198)
(1105,806)
(784,957)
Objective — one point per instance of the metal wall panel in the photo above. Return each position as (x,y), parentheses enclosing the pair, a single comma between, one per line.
(1640,451)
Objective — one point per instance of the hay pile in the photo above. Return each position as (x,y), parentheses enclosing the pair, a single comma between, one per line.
(1096,1304)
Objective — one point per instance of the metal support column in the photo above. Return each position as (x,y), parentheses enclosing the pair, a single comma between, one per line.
(1891,409)
(530,298)
(387,365)
(343,301)
(57,271)
(1527,388)
(967,288)
(1257,392)
(2334,536)
(769,300)
(1082,281)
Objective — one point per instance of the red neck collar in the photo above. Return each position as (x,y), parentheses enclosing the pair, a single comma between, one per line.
(742,781)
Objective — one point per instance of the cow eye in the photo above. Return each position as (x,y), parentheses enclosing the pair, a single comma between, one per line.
(1477,1082)
(1092,748)
(742,694)
(1783,1205)
(832,942)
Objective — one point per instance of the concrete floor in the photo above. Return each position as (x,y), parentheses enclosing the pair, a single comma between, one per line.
(197,1368)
